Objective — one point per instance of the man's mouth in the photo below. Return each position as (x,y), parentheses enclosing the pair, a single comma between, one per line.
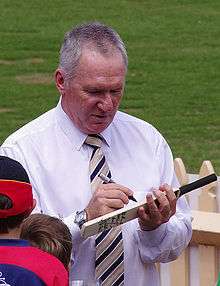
(100,119)
(100,116)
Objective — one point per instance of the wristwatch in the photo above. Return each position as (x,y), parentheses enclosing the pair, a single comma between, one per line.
(80,218)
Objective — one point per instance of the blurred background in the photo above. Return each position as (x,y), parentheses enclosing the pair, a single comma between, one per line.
(173,78)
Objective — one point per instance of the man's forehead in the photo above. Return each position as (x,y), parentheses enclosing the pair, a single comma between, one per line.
(94,63)
(103,85)
(93,54)
(104,49)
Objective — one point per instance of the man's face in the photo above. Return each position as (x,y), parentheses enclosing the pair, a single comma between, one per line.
(92,97)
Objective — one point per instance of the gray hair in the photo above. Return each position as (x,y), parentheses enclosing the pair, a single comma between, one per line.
(99,36)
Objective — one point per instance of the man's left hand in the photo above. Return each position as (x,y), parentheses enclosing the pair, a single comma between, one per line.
(153,216)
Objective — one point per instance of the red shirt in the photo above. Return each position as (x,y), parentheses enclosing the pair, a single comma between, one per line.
(19,260)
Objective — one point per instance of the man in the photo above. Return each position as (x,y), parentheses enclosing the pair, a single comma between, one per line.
(17,258)
(64,164)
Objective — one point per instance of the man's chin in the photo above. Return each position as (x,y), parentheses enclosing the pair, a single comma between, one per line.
(97,128)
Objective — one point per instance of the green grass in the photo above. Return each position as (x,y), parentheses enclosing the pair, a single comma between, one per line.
(174,68)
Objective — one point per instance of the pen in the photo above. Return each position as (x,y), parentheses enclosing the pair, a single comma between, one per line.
(109,180)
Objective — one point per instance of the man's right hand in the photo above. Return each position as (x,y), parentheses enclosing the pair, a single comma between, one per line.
(107,198)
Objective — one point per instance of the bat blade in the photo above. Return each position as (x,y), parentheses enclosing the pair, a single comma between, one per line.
(126,214)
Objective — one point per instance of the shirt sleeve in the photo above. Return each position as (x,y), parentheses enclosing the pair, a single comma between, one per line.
(74,228)
(166,243)
(13,151)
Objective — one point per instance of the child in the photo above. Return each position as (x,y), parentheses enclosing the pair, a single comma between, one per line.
(49,234)
(20,263)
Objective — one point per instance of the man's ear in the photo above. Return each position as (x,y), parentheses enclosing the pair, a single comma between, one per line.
(59,79)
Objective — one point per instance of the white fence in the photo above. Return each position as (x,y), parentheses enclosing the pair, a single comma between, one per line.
(199,264)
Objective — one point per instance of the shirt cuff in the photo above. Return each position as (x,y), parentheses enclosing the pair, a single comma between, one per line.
(73,227)
(153,237)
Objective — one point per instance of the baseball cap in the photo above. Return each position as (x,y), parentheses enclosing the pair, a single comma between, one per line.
(15,184)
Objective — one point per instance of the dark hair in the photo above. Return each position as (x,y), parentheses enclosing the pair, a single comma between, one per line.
(95,35)
(6,224)
(49,234)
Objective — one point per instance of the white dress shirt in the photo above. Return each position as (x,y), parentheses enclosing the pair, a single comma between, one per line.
(52,151)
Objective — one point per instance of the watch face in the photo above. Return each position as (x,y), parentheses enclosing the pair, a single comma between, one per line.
(81,215)
(80,218)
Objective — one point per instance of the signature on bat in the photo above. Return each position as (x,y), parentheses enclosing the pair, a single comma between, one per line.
(111,221)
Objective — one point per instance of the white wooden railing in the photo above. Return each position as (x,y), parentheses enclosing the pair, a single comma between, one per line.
(199,264)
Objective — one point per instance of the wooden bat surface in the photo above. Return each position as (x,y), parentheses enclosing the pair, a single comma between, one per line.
(125,214)
(110,220)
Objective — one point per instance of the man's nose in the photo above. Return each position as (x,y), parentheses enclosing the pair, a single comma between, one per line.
(106,103)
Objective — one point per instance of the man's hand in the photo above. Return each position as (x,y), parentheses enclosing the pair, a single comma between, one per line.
(107,198)
(153,216)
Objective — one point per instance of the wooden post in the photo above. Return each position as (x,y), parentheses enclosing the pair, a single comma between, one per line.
(180,171)
(208,258)
(179,269)
(206,228)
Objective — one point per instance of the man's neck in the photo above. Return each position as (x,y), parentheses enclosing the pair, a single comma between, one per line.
(12,234)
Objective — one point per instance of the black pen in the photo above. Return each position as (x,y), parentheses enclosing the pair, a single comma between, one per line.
(109,180)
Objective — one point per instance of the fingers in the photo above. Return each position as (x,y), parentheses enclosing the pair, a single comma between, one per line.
(114,203)
(170,196)
(157,211)
(163,204)
(149,216)
(107,198)
(114,191)
(143,214)
(102,206)
(152,209)
(114,186)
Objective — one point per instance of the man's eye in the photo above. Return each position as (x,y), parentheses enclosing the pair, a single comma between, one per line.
(94,92)
(116,92)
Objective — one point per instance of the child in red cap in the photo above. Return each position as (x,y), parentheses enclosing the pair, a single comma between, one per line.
(20,263)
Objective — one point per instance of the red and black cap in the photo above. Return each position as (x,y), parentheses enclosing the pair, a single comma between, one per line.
(15,184)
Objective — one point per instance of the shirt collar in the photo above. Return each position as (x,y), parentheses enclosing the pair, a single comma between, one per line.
(75,136)
(14,242)
(106,134)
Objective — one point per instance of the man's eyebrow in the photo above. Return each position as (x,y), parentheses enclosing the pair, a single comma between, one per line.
(102,88)
(93,89)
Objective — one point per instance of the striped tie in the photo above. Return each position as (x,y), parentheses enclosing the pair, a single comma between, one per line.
(109,245)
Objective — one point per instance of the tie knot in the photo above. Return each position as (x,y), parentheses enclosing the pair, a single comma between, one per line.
(94,140)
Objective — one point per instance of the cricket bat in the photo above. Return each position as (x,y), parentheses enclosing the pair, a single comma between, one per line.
(126,214)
